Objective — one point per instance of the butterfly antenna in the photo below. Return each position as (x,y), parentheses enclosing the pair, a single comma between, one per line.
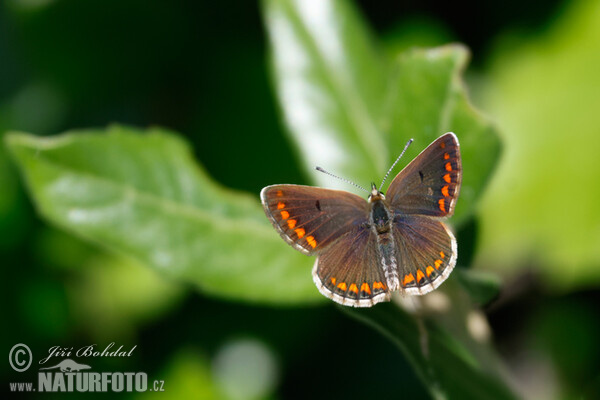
(341,179)
(394,164)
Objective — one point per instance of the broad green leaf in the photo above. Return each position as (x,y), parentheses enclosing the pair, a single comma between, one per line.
(445,368)
(330,82)
(143,195)
(351,110)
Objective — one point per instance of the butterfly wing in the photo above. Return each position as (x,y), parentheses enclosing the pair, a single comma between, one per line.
(430,183)
(426,253)
(348,271)
(427,187)
(310,218)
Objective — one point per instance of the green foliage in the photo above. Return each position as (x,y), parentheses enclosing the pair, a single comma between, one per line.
(142,195)
(447,369)
(543,205)
(349,109)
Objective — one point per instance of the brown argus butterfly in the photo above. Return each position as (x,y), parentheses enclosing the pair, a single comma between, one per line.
(368,249)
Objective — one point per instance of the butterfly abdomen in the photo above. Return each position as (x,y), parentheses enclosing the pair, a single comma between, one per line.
(387,259)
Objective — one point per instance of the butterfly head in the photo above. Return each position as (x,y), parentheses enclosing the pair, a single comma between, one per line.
(375,194)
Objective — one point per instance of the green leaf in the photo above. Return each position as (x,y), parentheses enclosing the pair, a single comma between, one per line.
(443,365)
(142,195)
(351,111)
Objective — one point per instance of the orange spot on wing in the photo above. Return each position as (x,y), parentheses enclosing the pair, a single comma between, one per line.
(445,191)
(300,232)
(448,167)
(442,254)
(279,193)
(446,156)
(378,285)
(342,286)
(333,281)
(365,288)
(285,214)
(292,223)
(280,205)
(311,240)
(438,263)
(429,270)
(447,178)
(442,205)
(353,288)
(420,275)
(408,279)
(443,145)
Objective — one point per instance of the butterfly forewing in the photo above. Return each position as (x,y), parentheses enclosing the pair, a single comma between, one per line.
(429,185)
(348,271)
(311,218)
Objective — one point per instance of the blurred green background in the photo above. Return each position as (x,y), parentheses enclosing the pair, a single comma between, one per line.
(202,69)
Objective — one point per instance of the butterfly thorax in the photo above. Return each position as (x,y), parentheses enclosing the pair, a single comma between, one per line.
(380,214)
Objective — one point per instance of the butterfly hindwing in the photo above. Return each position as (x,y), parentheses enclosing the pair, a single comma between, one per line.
(426,253)
(348,271)
(430,183)
(310,218)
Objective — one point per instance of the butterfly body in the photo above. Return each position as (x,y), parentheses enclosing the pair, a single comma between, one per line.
(381,223)
(368,249)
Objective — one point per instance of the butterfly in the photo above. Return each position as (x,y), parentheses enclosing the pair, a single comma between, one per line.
(368,249)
